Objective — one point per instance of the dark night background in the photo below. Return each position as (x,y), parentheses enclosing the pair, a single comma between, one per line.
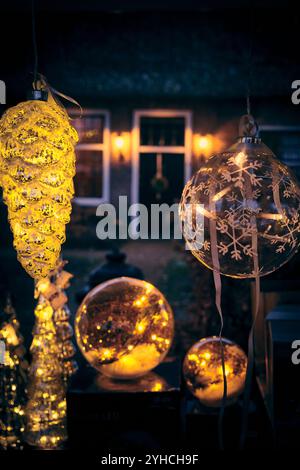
(127,55)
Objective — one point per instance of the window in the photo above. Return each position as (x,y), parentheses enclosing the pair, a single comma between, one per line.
(92,157)
(284,141)
(162,152)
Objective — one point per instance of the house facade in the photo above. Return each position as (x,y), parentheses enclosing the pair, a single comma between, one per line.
(160,93)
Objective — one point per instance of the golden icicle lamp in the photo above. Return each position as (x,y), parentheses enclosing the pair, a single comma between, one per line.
(202,370)
(37,166)
(124,328)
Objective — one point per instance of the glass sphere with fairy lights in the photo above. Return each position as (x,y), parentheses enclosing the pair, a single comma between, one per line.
(124,328)
(202,370)
(241,210)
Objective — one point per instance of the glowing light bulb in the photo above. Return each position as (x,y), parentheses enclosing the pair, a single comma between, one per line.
(119,142)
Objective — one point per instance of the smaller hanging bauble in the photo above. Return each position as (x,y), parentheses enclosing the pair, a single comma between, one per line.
(241,210)
(203,373)
(124,327)
(37,165)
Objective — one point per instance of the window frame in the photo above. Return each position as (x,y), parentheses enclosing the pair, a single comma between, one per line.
(101,147)
(138,149)
(280,128)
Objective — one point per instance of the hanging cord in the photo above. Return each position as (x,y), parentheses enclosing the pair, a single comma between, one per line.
(218,287)
(39,81)
(250,368)
(34,44)
(248,103)
(251,340)
(43,84)
(249,63)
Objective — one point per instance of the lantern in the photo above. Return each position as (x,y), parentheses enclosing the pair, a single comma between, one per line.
(124,327)
(203,373)
(37,165)
(240,211)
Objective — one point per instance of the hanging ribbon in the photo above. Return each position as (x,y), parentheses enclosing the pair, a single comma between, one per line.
(218,289)
(43,84)
(251,340)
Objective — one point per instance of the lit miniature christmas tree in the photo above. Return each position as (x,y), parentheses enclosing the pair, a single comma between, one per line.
(46,407)
(61,318)
(53,289)
(12,380)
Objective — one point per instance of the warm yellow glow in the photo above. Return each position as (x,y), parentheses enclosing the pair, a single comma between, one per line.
(43,285)
(12,394)
(107,353)
(141,326)
(46,406)
(220,194)
(8,333)
(202,145)
(201,210)
(37,165)
(140,360)
(157,386)
(119,142)
(140,301)
(203,371)
(126,328)
(240,159)
(264,215)
(120,146)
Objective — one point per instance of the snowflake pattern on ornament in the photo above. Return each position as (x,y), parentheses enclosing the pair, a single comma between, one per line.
(249,205)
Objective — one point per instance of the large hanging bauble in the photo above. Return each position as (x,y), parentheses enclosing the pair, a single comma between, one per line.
(124,327)
(37,165)
(203,373)
(240,211)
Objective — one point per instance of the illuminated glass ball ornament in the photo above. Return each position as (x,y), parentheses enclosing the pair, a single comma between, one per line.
(202,370)
(124,327)
(241,210)
(37,166)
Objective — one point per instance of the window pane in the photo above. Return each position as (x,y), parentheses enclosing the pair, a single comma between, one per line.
(286,146)
(172,174)
(89,168)
(89,128)
(162,131)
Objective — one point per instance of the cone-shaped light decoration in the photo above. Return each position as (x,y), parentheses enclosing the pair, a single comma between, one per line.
(37,166)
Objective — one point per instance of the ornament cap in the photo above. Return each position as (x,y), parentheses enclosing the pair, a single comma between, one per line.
(38,95)
(248,127)
(249,140)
